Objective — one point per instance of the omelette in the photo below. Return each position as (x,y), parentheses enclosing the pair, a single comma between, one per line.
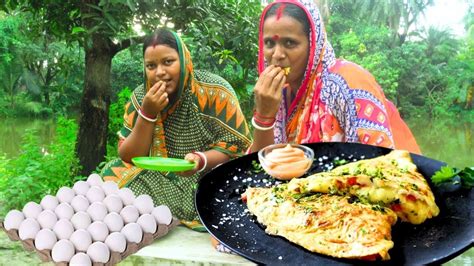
(328,224)
(390,181)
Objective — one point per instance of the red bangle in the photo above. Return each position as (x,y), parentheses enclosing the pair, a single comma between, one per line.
(257,114)
(263,123)
(146,115)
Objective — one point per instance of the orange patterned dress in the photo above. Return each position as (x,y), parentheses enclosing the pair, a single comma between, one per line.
(338,100)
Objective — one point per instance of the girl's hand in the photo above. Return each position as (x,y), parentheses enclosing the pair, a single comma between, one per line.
(191,157)
(268,89)
(155,99)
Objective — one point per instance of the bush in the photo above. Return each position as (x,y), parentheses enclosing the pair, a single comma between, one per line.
(38,171)
(116,112)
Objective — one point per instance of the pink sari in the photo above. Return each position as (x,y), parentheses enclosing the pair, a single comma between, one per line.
(337,100)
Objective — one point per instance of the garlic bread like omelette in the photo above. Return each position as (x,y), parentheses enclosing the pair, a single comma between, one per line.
(328,224)
(391,180)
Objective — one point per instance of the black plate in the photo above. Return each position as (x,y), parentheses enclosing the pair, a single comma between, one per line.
(224,215)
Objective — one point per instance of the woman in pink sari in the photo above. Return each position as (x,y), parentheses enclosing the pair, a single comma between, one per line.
(321,99)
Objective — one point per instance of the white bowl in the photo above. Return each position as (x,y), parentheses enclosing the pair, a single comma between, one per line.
(289,163)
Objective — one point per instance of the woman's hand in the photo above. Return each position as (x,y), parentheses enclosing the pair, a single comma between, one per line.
(267,91)
(191,157)
(155,99)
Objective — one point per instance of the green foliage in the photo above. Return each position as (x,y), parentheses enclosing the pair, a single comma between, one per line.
(230,53)
(38,171)
(39,73)
(398,15)
(116,121)
(422,72)
(368,46)
(11,66)
(127,70)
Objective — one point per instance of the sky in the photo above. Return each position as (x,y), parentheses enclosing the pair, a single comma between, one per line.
(447,14)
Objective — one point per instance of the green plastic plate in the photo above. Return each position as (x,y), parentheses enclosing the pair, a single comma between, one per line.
(163,164)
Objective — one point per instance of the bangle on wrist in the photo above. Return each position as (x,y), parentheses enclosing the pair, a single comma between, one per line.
(146,117)
(256,126)
(258,115)
(263,123)
(202,162)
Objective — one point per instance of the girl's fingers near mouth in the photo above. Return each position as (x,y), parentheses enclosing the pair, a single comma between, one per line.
(164,97)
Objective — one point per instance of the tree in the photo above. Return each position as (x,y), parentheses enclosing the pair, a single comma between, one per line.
(441,44)
(11,68)
(469,56)
(102,29)
(398,15)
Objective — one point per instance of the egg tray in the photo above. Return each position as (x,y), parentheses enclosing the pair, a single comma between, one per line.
(115,257)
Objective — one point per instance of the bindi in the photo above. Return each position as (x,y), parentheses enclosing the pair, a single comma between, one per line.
(276,37)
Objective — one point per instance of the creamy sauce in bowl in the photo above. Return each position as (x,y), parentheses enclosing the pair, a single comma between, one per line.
(286,163)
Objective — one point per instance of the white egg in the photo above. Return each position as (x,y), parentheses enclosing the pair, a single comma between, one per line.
(162,214)
(32,210)
(99,252)
(28,229)
(62,251)
(147,222)
(97,211)
(132,232)
(129,214)
(94,194)
(81,220)
(80,259)
(81,187)
(65,194)
(13,219)
(49,202)
(116,242)
(110,187)
(64,211)
(45,239)
(98,231)
(113,203)
(81,239)
(47,219)
(95,180)
(126,195)
(63,229)
(80,203)
(144,204)
(114,222)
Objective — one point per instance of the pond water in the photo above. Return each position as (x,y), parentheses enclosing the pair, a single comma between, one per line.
(13,129)
(445,141)
(438,139)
